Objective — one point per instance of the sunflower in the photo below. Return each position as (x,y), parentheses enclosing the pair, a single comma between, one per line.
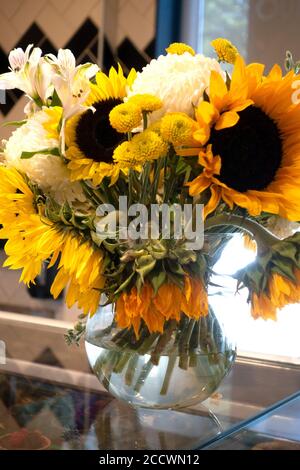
(23,227)
(251,134)
(155,309)
(273,280)
(33,239)
(80,271)
(90,138)
(280,291)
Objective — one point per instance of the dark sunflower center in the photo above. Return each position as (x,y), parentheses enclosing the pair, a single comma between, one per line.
(94,135)
(250,151)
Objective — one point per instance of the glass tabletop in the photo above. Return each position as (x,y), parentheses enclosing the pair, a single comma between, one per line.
(276,429)
(49,399)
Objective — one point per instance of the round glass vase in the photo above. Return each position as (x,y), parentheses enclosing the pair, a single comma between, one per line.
(182,367)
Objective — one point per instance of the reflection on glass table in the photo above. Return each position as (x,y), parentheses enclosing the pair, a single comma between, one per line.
(43,407)
(276,429)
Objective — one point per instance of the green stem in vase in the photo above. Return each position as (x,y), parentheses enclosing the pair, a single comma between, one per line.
(129,374)
(147,343)
(167,379)
(119,335)
(122,362)
(193,360)
(143,375)
(194,343)
(108,367)
(210,320)
(184,345)
(162,342)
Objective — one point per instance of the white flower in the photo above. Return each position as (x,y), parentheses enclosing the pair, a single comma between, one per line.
(71,82)
(47,171)
(72,94)
(178,80)
(65,65)
(18,58)
(29,72)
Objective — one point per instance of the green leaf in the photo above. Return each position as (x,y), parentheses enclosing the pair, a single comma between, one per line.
(157,280)
(145,265)
(14,123)
(286,269)
(175,267)
(124,284)
(182,166)
(56,101)
(53,151)
(287,250)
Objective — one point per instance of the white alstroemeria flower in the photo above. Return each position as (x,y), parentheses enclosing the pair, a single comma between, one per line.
(18,58)
(71,82)
(72,94)
(29,73)
(65,65)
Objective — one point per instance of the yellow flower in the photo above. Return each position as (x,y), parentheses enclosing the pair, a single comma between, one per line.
(125,156)
(146,102)
(144,147)
(252,159)
(22,226)
(262,307)
(179,48)
(148,145)
(169,303)
(221,112)
(51,125)
(33,239)
(225,50)
(178,129)
(90,138)
(273,280)
(125,117)
(111,86)
(280,291)
(80,272)
(156,127)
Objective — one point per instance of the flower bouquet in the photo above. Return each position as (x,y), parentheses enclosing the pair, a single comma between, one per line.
(133,185)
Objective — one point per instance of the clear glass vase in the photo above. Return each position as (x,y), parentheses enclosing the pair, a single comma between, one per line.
(182,367)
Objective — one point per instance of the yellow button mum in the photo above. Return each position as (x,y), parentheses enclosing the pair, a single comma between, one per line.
(149,146)
(179,48)
(125,117)
(225,50)
(126,157)
(146,102)
(144,147)
(178,129)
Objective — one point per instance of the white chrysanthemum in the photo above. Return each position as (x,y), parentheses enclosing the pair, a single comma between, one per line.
(47,171)
(178,80)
